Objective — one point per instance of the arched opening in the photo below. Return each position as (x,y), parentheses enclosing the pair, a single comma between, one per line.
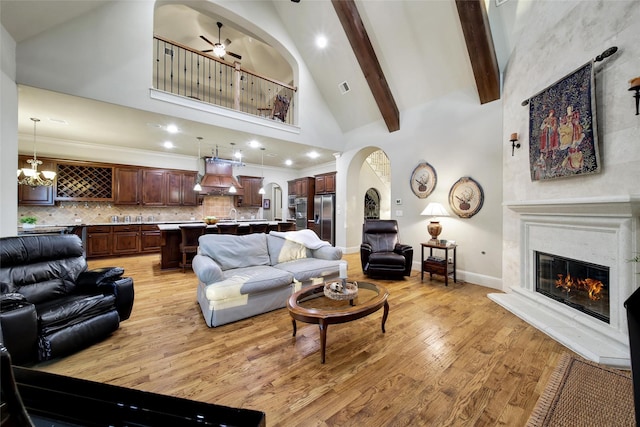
(362,175)
(254,75)
(273,208)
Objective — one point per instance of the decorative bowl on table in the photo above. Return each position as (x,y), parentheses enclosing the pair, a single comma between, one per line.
(335,290)
(210,220)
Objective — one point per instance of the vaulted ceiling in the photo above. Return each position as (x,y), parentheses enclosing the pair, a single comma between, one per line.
(420,46)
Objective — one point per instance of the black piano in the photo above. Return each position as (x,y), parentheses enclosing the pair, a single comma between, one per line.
(36,398)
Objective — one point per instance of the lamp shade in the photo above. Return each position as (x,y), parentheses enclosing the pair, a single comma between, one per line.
(435,209)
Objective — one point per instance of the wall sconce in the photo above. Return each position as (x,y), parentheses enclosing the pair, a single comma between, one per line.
(514,142)
(634,84)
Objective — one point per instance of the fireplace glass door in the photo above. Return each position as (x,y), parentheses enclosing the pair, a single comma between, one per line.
(580,285)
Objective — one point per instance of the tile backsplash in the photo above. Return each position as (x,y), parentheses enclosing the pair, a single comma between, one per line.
(69,213)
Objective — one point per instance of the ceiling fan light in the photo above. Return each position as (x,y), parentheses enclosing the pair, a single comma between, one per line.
(218,50)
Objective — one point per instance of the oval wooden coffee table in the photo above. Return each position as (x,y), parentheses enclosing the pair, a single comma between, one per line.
(310,305)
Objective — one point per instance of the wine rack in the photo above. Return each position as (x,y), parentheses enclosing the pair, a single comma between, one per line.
(82,182)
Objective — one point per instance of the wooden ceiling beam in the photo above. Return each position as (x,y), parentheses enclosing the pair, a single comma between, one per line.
(362,48)
(477,35)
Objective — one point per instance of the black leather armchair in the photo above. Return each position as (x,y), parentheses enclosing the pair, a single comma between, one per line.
(50,304)
(381,254)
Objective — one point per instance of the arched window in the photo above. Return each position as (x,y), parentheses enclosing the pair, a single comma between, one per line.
(372,204)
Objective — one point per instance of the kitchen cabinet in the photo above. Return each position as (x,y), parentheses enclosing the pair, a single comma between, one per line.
(122,239)
(153,187)
(98,241)
(127,186)
(35,196)
(325,183)
(179,191)
(251,186)
(125,240)
(150,238)
(302,187)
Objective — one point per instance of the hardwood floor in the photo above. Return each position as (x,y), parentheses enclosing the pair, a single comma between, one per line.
(449,357)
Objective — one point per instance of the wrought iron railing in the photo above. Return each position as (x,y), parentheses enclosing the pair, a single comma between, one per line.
(184,71)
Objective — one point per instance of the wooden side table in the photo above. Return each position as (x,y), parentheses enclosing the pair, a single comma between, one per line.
(437,265)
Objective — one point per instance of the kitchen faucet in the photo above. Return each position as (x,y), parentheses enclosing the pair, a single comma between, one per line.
(235,214)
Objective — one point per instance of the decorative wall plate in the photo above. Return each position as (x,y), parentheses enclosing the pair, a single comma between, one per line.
(466,197)
(423,180)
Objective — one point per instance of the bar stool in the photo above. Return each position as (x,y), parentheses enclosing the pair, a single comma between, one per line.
(227,228)
(272,227)
(189,243)
(286,226)
(258,228)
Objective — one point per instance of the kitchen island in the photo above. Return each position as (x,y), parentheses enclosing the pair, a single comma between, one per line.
(170,238)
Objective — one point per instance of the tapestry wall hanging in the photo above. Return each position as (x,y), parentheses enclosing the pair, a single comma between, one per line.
(563,140)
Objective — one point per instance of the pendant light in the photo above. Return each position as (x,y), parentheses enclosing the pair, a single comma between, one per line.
(32,177)
(261,191)
(198,187)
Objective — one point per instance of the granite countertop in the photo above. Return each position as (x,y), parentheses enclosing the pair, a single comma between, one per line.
(241,223)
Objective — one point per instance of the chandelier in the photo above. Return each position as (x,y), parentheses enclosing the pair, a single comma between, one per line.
(31,176)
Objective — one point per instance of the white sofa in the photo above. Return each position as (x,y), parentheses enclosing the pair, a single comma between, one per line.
(242,276)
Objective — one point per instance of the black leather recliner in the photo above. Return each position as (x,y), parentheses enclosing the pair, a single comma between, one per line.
(381,254)
(50,304)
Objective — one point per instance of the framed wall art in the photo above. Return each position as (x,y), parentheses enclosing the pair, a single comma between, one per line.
(563,140)
(423,180)
(466,197)
(266,203)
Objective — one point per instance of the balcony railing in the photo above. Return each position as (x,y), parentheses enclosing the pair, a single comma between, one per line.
(184,71)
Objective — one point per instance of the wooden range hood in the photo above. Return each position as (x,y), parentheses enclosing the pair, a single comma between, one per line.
(218,178)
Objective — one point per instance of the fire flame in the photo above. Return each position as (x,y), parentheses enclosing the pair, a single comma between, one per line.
(592,286)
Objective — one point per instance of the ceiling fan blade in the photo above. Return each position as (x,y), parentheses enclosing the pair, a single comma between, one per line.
(235,55)
(206,39)
(207,51)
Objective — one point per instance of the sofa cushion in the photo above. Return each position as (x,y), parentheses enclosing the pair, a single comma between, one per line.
(283,250)
(305,269)
(231,251)
(248,280)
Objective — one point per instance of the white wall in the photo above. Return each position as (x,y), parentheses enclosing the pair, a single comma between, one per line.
(557,39)
(8,136)
(458,137)
(78,58)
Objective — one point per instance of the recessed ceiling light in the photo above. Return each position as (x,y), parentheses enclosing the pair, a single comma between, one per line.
(321,41)
(288,162)
(313,154)
(168,144)
(172,128)
(254,144)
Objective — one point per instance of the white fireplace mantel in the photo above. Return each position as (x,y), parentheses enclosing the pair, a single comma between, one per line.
(601,230)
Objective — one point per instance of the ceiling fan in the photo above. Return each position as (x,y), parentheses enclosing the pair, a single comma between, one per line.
(219,49)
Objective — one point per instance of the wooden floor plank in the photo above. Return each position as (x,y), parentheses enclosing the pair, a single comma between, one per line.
(449,356)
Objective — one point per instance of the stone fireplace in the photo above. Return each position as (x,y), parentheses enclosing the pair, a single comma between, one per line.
(590,240)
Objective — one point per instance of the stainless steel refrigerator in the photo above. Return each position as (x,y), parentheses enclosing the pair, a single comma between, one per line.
(324,217)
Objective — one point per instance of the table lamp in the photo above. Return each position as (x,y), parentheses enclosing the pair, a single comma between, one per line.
(434,210)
